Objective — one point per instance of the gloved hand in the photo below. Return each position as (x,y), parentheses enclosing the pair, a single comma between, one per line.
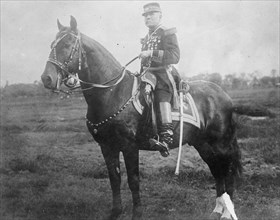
(145,54)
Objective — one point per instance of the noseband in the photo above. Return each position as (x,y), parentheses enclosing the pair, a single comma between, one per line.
(64,67)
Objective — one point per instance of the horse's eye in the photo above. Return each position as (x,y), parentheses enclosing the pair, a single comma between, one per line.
(66,44)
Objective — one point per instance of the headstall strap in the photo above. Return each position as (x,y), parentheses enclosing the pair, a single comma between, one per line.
(64,68)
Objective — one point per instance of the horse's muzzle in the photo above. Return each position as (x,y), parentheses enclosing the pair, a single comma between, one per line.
(47,81)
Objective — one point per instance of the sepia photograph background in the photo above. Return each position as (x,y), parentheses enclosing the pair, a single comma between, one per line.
(52,168)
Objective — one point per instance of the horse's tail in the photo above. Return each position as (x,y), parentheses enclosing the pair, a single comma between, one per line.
(236,166)
(252,110)
(236,162)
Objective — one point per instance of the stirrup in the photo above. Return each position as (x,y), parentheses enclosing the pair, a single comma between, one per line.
(163,148)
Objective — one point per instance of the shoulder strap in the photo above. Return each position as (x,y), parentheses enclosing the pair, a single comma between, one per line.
(170,31)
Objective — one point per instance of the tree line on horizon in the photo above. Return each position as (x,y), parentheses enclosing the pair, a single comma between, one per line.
(242,80)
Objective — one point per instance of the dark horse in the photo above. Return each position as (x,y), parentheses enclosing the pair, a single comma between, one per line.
(113,121)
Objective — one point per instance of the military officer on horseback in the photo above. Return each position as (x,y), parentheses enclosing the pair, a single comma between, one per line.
(159,51)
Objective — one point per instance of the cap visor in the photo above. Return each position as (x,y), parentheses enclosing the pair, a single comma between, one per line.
(147,12)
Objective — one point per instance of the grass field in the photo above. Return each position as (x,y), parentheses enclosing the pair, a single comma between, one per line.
(51,168)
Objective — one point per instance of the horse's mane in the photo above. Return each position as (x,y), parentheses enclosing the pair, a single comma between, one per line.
(106,59)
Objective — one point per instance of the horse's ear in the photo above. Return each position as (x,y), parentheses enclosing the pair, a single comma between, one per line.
(73,24)
(60,26)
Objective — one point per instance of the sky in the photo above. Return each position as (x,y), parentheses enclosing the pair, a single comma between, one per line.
(214,36)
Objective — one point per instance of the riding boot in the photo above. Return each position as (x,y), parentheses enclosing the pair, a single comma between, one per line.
(165,130)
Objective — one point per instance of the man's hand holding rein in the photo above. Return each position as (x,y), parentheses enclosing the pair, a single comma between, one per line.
(145,54)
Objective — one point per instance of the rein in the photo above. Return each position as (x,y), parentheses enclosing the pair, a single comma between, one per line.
(104,86)
(94,85)
(63,68)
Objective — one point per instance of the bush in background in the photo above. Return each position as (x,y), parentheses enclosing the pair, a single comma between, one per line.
(21,90)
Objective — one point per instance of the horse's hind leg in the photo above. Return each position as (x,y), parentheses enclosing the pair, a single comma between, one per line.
(113,165)
(224,166)
(234,169)
(131,157)
(216,167)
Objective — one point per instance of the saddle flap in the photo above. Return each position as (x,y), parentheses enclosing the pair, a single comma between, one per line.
(190,114)
(150,79)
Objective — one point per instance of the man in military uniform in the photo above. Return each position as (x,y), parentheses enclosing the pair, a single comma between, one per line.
(159,51)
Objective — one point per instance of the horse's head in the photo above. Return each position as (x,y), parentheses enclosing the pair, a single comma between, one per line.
(65,57)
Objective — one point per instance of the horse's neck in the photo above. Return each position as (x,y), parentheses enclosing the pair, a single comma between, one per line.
(102,67)
(101,63)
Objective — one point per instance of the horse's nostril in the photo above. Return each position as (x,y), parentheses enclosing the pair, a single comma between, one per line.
(47,80)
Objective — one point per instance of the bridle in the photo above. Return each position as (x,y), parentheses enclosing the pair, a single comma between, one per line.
(64,75)
(63,68)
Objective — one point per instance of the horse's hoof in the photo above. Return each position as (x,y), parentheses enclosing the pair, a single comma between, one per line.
(115,214)
(215,216)
(136,217)
(137,213)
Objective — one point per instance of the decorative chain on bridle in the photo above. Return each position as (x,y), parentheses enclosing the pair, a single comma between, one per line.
(64,68)
(71,80)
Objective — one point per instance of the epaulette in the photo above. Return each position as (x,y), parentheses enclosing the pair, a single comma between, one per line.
(169,31)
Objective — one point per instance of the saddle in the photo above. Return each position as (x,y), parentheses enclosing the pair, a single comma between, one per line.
(149,82)
(148,125)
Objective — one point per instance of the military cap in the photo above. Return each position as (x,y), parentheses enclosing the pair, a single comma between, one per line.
(151,7)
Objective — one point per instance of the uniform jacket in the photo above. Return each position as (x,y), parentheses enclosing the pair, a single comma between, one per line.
(163,42)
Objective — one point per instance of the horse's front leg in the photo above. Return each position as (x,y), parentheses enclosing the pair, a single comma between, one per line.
(131,157)
(112,160)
